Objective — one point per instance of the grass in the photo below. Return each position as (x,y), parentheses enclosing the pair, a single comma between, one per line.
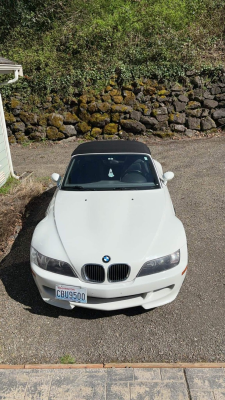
(10,184)
(14,197)
(66,43)
(67,359)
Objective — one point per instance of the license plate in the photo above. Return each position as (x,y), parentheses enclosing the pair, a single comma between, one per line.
(71,293)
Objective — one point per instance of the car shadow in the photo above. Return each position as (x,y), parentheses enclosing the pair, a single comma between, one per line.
(16,275)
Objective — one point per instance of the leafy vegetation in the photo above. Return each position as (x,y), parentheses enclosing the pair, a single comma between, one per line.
(65,43)
(9,185)
(67,359)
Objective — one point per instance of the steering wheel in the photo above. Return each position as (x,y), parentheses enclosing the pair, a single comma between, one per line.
(131,172)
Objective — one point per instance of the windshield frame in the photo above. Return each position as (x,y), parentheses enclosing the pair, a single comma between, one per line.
(105,188)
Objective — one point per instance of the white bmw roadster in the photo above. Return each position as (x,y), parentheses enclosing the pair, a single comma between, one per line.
(110,238)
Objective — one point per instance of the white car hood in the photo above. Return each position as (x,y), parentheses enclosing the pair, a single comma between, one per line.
(124,225)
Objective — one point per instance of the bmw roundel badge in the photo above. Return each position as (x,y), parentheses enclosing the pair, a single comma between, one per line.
(106,259)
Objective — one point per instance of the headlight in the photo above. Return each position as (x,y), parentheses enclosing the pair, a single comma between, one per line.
(50,264)
(160,264)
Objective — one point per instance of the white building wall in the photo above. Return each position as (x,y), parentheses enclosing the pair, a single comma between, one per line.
(4,159)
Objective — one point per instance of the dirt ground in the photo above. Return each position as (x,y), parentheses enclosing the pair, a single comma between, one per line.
(189,329)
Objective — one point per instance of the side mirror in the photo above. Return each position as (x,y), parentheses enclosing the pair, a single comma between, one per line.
(56,178)
(167,177)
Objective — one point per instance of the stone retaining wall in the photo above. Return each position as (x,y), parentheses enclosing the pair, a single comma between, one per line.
(144,107)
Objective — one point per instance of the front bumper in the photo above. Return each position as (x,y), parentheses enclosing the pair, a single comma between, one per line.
(148,291)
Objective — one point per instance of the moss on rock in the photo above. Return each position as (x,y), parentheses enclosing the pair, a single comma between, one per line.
(117,99)
(9,118)
(96,132)
(111,129)
(70,118)
(99,120)
(28,118)
(82,128)
(15,103)
(104,107)
(121,108)
(53,133)
(55,120)
(163,134)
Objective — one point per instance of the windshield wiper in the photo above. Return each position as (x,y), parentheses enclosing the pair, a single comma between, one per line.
(78,188)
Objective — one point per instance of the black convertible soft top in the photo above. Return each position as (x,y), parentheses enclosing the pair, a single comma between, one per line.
(115,146)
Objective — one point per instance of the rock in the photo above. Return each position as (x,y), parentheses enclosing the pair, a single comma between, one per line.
(117,117)
(106,97)
(115,92)
(220,113)
(183,98)
(135,115)
(84,116)
(9,132)
(104,107)
(162,126)
(179,106)
(53,133)
(222,104)
(192,105)
(140,96)
(207,123)
(83,107)
(198,95)
(117,99)
(120,108)
(82,128)
(205,112)
(210,103)
(163,92)
(163,134)
(159,111)
(18,127)
(110,129)
(215,89)
(194,113)
(110,137)
(99,120)
(28,118)
(133,126)
(220,97)
(207,95)
(221,121)
(83,99)
(149,90)
(21,138)
(189,133)
(95,132)
(194,123)
(36,136)
(9,118)
(12,140)
(177,88)
(43,120)
(15,103)
(92,107)
(178,128)
(177,118)
(69,118)
(68,130)
(196,81)
(162,118)
(149,122)
(55,120)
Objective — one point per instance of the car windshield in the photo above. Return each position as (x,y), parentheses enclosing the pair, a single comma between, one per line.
(110,172)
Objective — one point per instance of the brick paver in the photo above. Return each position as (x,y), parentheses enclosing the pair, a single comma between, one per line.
(113,384)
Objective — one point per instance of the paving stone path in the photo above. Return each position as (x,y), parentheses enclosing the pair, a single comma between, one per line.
(113,384)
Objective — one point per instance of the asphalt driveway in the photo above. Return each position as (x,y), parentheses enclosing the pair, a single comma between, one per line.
(192,328)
